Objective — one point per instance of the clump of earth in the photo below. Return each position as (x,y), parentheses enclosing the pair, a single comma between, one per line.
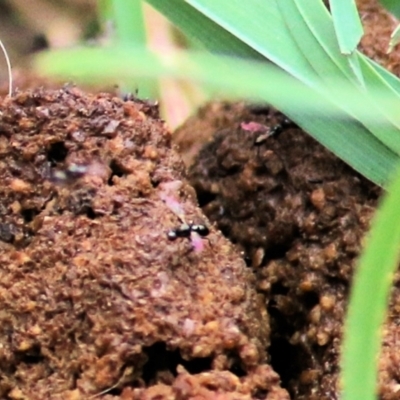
(298,215)
(98,298)
(115,284)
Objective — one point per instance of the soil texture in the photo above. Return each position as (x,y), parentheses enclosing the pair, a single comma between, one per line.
(97,300)
(111,285)
(298,214)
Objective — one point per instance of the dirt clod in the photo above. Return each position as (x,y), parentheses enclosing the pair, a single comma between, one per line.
(96,301)
(298,214)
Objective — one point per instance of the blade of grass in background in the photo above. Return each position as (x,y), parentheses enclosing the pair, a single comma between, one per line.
(264,28)
(307,37)
(129,22)
(390,137)
(324,55)
(178,99)
(394,39)
(347,24)
(319,22)
(104,11)
(129,29)
(195,25)
(369,300)
(384,74)
(336,130)
(393,6)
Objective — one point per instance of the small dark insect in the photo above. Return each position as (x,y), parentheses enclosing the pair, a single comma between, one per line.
(200,229)
(274,131)
(185,231)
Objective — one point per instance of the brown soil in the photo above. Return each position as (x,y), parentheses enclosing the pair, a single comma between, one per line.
(98,303)
(299,215)
(378,26)
(94,295)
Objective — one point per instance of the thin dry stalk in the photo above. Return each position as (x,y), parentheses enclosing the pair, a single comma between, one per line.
(10,80)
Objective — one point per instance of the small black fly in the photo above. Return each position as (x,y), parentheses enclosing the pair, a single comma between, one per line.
(185,231)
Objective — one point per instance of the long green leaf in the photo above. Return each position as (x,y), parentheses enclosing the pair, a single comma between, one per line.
(347,24)
(316,43)
(312,111)
(394,39)
(127,18)
(392,6)
(197,26)
(262,28)
(270,35)
(316,25)
(129,22)
(320,24)
(369,300)
(390,137)
(384,74)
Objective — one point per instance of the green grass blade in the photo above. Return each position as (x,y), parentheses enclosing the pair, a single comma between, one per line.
(347,25)
(390,137)
(354,63)
(394,39)
(324,55)
(129,29)
(224,73)
(316,23)
(307,39)
(384,74)
(104,11)
(197,26)
(300,39)
(314,26)
(303,32)
(263,29)
(393,6)
(312,111)
(369,300)
(129,22)
(319,22)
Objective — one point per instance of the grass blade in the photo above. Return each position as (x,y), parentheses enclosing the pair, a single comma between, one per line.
(129,29)
(320,24)
(347,25)
(263,29)
(393,6)
(307,42)
(197,26)
(129,22)
(394,39)
(323,54)
(369,300)
(390,137)
(315,113)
